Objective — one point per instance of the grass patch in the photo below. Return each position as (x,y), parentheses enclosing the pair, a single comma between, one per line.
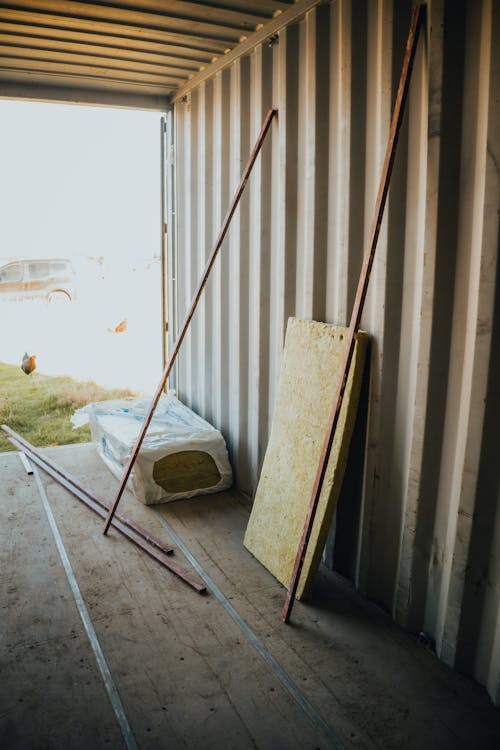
(39,407)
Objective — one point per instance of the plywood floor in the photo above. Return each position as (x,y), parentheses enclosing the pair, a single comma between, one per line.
(200,671)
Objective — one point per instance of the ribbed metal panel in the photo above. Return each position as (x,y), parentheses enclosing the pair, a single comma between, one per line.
(419,529)
(126,52)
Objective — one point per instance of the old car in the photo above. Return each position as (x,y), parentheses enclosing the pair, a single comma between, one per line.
(52,279)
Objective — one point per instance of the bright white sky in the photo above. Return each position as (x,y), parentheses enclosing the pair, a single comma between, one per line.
(78,181)
(84,183)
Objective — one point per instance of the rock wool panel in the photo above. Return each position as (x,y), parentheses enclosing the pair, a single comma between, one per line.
(310,371)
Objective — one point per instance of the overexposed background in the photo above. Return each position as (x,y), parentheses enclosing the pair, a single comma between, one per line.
(84,183)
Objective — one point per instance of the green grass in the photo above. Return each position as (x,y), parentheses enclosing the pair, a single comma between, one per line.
(39,407)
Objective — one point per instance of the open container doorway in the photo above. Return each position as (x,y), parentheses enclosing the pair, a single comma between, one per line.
(85,184)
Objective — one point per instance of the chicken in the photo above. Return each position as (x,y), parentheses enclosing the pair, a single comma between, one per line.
(122,326)
(29,363)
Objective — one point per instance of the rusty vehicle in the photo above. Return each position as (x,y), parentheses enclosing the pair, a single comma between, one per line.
(52,279)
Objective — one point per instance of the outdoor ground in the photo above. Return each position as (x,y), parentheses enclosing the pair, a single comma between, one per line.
(218,670)
(40,407)
(78,338)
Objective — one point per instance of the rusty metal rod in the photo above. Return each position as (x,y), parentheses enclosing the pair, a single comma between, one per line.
(417,21)
(153,552)
(168,368)
(133,525)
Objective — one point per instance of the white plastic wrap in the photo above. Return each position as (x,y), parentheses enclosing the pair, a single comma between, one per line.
(178,442)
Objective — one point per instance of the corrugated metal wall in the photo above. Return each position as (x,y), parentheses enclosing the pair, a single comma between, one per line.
(419,529)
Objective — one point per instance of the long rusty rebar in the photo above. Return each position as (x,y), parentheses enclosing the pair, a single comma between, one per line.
(132,525)
(168,368)
(147,546)
(417,21)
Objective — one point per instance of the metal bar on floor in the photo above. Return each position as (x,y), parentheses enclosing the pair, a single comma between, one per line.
(287,682)
(225,226)
(417,22)
(111,690)
(27,466)
(81,494)
(133,525)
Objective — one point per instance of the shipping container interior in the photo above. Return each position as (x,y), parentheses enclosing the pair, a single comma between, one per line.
(417,528)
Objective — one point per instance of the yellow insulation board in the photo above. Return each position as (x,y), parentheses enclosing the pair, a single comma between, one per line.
(310,371)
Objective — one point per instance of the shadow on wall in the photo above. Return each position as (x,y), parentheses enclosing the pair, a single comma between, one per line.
(341,549)
(481,579)
(448,129)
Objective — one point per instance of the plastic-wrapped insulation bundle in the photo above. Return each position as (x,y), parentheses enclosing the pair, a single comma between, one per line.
(181,456)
